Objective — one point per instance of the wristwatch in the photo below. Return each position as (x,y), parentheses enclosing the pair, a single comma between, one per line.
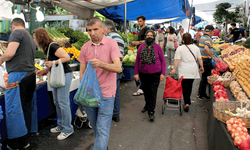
(140,42)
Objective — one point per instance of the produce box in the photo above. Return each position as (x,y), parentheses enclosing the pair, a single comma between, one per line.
(128,73)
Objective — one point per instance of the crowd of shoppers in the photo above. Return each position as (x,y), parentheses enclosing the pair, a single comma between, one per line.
(149,70)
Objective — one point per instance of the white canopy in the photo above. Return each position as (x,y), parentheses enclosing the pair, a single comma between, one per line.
(85,8)
(206,8)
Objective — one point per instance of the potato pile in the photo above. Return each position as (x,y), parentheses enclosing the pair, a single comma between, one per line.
(242,73)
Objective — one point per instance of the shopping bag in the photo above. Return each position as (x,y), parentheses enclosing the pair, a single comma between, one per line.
(57,77)
(173,88)
(176,45)
(221,66)
(2,83)
(89,93)
(170,45)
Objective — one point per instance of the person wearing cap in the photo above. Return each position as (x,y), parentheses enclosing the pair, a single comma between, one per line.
(206,48)
(243,31)
(159,39)
(235,33)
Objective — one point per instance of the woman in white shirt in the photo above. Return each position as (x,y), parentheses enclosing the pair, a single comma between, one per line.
(179,36)
(185,58)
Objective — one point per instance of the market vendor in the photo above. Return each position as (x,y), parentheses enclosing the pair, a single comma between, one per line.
(19,57)
(235,33)
(206,48)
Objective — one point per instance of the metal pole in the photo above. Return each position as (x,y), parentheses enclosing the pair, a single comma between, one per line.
(125,17)
(191,9)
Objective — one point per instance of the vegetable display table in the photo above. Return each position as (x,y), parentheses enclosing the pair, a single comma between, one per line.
(44,106)
(218,136)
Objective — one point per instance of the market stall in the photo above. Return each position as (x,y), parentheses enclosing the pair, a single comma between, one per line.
(228,122)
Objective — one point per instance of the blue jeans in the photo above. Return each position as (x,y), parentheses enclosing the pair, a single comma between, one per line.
(100,119)
(116,111)
(62,103)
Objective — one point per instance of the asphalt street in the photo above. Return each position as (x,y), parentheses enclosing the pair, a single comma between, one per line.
(169,131)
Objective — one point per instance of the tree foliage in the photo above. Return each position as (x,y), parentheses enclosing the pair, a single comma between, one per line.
(223,15)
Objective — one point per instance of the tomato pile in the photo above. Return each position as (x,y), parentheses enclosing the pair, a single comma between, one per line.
(220,93)
(236,127)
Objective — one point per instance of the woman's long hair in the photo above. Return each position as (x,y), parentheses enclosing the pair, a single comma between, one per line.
(42,37)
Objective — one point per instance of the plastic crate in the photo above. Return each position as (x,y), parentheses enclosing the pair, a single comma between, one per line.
(128,73)
(4,36)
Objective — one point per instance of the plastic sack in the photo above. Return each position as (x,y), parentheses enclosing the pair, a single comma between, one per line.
(213,62)
(173,88)
(89,93)
(57,77)
(2,83)
(170,45)
(221,66)
(176,45)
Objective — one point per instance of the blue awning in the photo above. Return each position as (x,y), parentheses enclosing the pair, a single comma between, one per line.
(197,19)
(151,9)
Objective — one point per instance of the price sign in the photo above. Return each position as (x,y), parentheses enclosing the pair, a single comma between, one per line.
(38,66)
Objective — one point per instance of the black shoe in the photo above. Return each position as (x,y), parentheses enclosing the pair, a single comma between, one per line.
(151,116)
(144,110)
(116,119)
(203,98)
(186,108)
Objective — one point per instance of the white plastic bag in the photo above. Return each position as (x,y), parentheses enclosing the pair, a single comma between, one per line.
(57,77)
(2,84)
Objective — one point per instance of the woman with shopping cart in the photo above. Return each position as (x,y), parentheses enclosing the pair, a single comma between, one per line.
(186,57)
(150,66)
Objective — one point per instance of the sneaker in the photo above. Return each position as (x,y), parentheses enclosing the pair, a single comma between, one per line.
(203,98)
(139,92)
(28,145)
(165,55)
(55,130)
(169,67)
(63,136)
(172,66)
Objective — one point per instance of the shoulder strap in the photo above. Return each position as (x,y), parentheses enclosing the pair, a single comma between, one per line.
(191,53)
(48,51)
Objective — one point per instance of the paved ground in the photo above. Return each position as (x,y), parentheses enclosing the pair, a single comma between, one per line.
(169,131)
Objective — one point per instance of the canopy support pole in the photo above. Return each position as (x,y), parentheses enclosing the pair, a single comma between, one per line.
(125,17)
(191,16)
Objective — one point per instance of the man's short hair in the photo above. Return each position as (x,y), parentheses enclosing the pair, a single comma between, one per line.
(94,20)
(142,17)
(241,24)
(233,24)
(18,22)
(109,24)
(209,28)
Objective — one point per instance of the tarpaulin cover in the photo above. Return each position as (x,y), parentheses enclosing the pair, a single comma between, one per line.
(197,19)
(151,9)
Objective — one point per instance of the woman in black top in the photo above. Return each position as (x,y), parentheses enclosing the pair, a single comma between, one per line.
(60,95)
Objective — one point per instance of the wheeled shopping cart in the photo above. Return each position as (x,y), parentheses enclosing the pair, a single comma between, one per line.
(172,94)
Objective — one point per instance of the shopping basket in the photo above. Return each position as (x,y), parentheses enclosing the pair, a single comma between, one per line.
(172,94)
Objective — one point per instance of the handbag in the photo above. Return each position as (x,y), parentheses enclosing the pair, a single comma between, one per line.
(193,55)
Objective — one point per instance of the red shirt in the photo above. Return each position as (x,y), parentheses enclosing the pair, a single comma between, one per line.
(105,51)
(217,32)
